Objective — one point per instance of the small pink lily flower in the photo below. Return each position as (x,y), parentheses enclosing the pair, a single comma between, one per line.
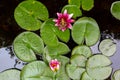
(64,21)
(54,65)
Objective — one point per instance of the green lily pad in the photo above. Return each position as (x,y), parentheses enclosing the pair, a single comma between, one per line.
(115,9)
(75,2)
(87,4)
(116,75)
(107,47)
(98,67)
(73,9)
(35,71)
(78,60)
(99,72)
(98,61)
(61,74)
(11,74)
(50,33)
(26,45)
(60,49)
(29,13)
(77,66)
(74,72)
(82,50)
(85,76)
(84,29)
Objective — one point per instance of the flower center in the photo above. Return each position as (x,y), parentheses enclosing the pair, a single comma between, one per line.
(63,22)
(54,65)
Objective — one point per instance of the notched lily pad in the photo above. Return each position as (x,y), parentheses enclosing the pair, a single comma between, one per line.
(28,14)
(74,72)
(75,2)
(98,67)
(50,33)
(87,4)
(86,30)
(115,9)
(36,70)
(108,47)
(60,49)
(116,75)
(11,74)
(82,50)
(73,9)
(78,60)
(26,45)
(76,67)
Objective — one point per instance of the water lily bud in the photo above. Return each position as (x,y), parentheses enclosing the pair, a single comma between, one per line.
(54,65)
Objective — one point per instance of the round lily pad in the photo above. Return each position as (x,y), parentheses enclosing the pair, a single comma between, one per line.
(83,50)
(78,60)
(116,75)
(85,76)
(28,14)
(73,9)
(11,74)
(60,49)
(87,4)
(98,61)
(77,66)
(75,2)
(86,30)
(99,73)
(50,33)
(74,72)
(26,45)
(36,70)
(107,47)
(115,9)
(98,67)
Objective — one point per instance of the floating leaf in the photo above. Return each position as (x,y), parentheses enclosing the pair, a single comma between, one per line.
(98,60)
(11,74)
(85,76)
(82,50)
(98,67)
(60,49)
(49,33)
(75,2)
(73,9)
(62,75)
(74,72)
(86,29)
(99,73)
(116,75)
(115,9)
(35,71)
(26,45)
(77,66)
(29,13)
(78,60)
(87,4)
(107,47)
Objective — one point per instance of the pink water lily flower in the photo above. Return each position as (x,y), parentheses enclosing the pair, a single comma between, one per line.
(54,65)
(64,21)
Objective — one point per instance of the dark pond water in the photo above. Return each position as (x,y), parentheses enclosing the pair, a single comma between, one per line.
(109,26)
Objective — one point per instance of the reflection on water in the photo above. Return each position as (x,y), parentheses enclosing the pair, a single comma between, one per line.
(9,60)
